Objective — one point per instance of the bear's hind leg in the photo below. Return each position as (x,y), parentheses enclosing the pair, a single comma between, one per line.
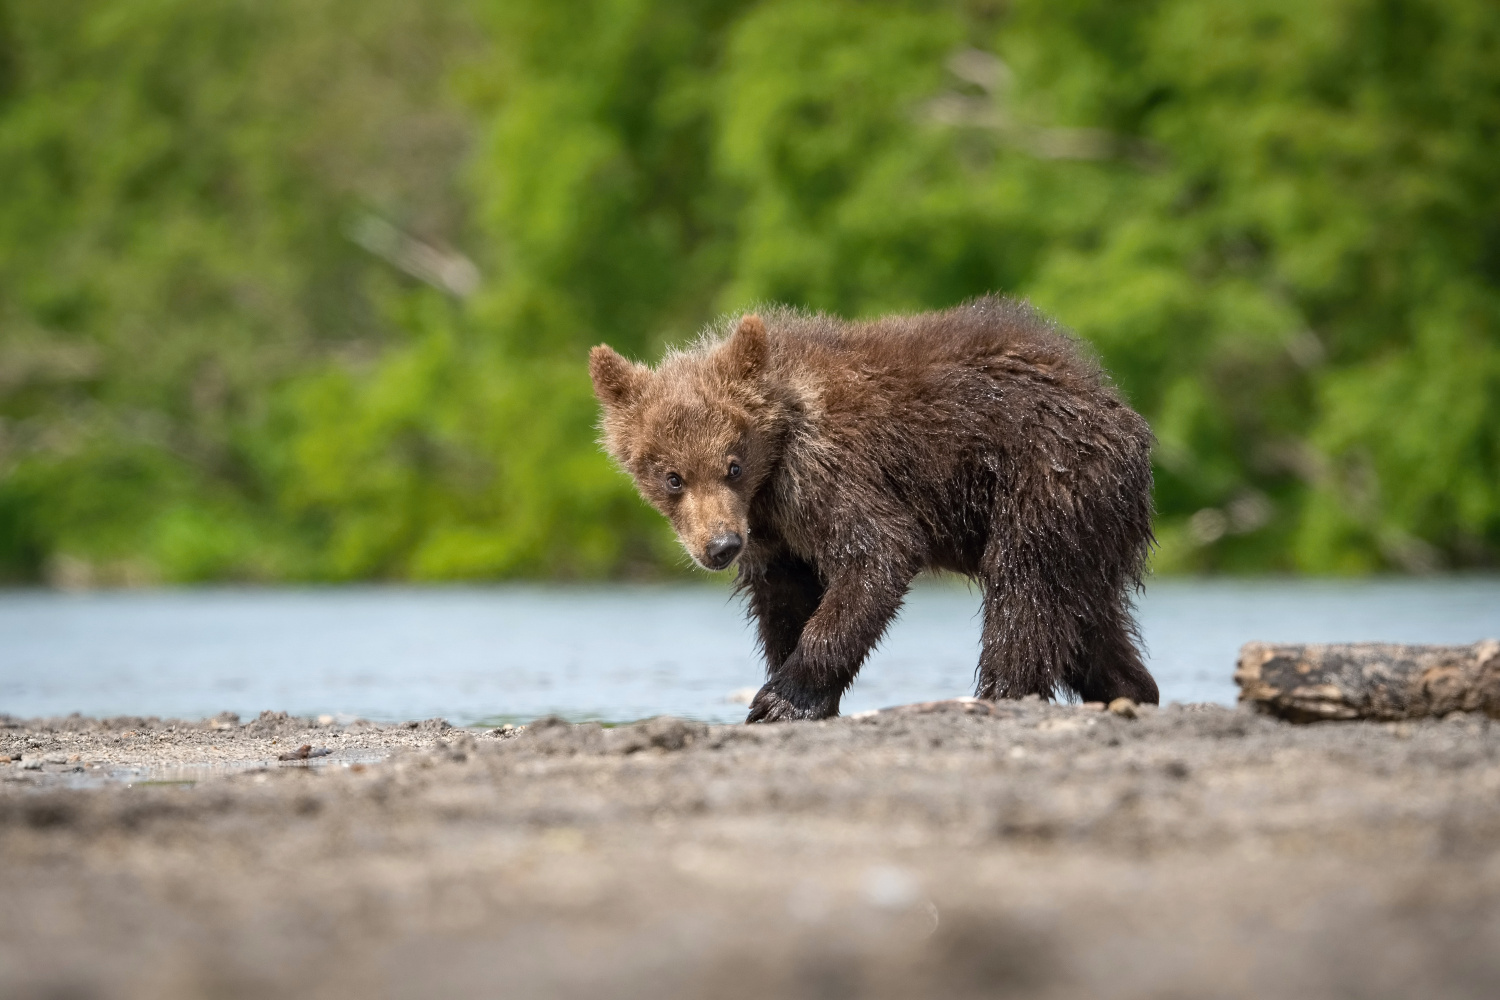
(1030,636)
(1110,666)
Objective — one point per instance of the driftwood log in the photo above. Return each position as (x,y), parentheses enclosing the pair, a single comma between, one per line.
(1368,680)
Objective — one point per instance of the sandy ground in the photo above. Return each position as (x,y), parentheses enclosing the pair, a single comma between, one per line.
(1029,851)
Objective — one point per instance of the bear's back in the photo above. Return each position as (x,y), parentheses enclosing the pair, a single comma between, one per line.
(993,337)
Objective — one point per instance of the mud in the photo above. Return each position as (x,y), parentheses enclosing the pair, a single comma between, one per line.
(1030,850)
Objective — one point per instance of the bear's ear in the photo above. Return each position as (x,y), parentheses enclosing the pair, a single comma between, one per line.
(746,350)
(617,382)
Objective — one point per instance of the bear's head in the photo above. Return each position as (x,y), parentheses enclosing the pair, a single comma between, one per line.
(694,435)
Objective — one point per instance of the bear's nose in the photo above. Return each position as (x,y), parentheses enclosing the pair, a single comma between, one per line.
(722,550)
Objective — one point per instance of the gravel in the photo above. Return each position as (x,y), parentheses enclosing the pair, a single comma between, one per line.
(956,849)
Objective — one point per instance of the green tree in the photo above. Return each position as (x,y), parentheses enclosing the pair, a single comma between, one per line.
(176,184)
(305,289)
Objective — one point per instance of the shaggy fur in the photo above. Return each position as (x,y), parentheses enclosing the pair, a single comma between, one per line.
(835,460)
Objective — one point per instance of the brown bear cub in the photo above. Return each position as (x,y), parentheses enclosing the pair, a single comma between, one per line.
(835,460)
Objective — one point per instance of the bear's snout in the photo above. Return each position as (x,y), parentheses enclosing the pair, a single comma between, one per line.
(722,550)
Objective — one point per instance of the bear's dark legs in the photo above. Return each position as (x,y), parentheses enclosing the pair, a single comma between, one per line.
(1055,609)
(853,614)
(1028,641)
(783,596)
(1036,595)
(1110,666)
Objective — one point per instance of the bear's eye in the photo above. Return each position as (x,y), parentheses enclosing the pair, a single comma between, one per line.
(734,470)
(674,482)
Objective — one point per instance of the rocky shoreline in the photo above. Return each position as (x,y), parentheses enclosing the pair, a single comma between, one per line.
(78,751)
(956,849)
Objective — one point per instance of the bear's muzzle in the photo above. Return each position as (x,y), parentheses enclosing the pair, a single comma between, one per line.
(722,550)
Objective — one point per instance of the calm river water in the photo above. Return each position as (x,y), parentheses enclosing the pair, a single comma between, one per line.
(513,653)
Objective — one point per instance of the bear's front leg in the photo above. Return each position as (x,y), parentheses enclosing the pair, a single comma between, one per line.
(855,610)
(780,700)
(784,593)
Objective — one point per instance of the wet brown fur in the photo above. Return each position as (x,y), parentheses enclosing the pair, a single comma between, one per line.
(981,439)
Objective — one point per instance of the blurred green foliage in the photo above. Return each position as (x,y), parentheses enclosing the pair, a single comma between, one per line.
(302,289)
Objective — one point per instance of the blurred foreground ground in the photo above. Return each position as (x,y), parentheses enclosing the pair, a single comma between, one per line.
(1041,851)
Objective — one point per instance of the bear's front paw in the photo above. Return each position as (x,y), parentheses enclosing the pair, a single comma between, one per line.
(772,704)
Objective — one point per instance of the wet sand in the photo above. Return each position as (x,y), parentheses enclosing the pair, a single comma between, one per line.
(1030,850)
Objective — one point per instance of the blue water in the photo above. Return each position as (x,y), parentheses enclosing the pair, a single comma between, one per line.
(617,653)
